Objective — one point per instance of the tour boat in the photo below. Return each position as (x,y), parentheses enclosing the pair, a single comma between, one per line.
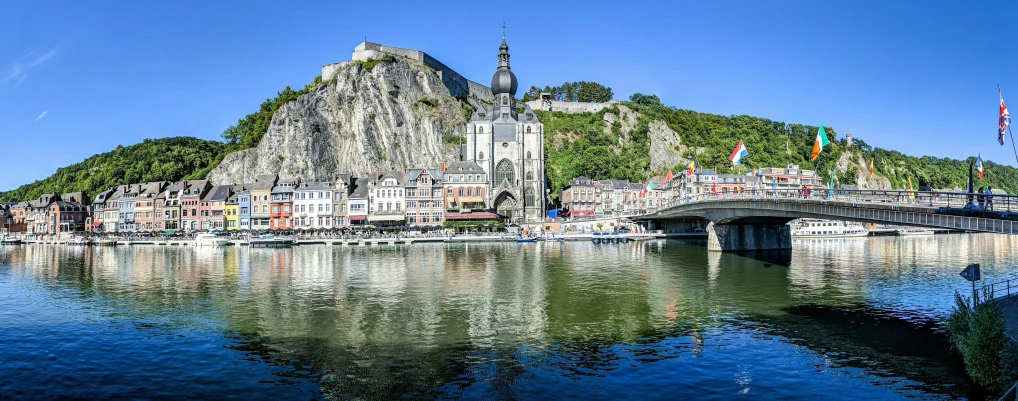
(79,241)
(910,231)
(206,239)
(270,241)
(816,228)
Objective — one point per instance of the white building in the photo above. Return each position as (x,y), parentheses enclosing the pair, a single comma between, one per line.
(510,149)
(357,202)
(386,199)
(312,205)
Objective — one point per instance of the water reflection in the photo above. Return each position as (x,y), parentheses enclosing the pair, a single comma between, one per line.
(514,320)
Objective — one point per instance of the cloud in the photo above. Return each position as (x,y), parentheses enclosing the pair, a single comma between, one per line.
(41,116)
(20,69)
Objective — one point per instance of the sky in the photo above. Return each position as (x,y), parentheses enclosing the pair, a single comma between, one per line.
(79,78)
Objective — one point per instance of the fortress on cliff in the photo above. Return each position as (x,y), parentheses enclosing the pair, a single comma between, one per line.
(458,85)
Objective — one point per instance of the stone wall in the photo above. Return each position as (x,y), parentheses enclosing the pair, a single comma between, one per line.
(569,107)
(459,86)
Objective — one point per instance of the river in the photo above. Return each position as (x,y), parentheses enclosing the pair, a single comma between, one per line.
(849,318)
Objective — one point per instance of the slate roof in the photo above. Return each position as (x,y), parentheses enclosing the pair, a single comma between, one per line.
(316,186)
(360,188)
(415,173)
(264,182)
(218,193)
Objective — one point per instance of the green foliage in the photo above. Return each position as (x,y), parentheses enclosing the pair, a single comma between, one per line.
(458,224)
(454,139)
(988,354)
(372,62)
(581,91)
(646,100)
(167,159)
(249,130)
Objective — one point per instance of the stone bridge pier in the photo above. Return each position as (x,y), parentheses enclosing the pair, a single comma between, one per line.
(748,237)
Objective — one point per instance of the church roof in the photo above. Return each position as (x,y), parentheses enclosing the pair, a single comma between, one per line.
(464,167)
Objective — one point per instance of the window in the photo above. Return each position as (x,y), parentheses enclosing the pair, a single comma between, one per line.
(504,172)
(529,197)
(505,99)
(411,192)
(530,175)
(275,209)
(528,131)
(480,130)
(480,156)
(528,154)
(286,209)
(449,191)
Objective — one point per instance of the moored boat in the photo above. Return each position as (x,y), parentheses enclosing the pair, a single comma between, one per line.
(270,241)
(816,228)
(11,241)
(206,239)
(912,231)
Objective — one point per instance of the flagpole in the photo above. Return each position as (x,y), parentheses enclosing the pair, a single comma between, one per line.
(1012,142)
(1008,126)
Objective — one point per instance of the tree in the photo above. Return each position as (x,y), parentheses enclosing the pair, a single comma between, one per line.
(645,100)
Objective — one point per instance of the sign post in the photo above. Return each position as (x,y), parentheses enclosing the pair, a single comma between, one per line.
(971,273)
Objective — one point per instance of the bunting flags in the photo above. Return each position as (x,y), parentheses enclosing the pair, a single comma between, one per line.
(979,165)
(820,142)
(739,152)
(1005,118)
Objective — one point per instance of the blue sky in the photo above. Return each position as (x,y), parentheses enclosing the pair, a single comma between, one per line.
(79,78)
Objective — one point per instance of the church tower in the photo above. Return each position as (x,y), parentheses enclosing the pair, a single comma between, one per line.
(510,148)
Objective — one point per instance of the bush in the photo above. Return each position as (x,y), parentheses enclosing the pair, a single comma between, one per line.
(981,338)
(453,139)
(372,62)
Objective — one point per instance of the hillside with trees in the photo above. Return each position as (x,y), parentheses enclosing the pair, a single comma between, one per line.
(166,159)
(585,144)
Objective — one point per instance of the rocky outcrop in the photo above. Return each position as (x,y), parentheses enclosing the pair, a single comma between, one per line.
(391,116)
(853,162)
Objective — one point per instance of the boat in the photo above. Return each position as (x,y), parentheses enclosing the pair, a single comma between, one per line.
(11,241)
(523,240)
(912,231)
(82,241)
(207,239)
(270,241)
(615,237)
(817,228)
(596,238)
(106,242)
(554,239)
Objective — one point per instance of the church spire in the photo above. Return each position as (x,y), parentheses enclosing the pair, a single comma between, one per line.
(503,51)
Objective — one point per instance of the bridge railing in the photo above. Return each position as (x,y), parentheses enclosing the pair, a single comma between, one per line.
(951,200)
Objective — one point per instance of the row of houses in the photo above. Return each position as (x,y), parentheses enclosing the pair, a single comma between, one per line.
(409,198)
(586,197)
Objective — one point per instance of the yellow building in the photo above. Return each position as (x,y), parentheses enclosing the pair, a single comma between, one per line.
(231,213)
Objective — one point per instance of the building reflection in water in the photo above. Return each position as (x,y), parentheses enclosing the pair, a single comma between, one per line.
(443,314)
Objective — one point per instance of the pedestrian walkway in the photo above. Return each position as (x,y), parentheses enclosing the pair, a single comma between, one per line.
(1010,308)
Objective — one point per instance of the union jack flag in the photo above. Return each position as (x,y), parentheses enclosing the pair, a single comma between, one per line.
(1005,119)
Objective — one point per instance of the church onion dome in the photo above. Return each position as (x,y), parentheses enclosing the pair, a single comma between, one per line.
(504,81)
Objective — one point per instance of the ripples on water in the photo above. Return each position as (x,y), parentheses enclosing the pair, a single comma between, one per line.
(848,319)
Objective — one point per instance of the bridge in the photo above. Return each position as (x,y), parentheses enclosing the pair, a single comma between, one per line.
(758,221)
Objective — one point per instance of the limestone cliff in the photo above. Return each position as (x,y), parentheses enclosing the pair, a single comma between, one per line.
(390,115)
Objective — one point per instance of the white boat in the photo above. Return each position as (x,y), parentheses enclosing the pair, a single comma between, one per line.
(270,241)
(11,241)
(206,239)
(79,241)
(816,228)
(910,231)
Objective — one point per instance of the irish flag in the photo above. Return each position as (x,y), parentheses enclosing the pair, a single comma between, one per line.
(820,143)
(739,152)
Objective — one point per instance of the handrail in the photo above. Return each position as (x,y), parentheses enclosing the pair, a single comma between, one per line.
(1011,394)
(1000,289)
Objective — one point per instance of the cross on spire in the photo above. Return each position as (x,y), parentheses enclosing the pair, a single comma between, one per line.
(503,29)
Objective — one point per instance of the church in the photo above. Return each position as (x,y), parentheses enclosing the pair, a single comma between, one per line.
(508,143)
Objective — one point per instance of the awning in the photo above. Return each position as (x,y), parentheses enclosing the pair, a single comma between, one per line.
(451,216)
(97,223)
(470,199)
(386,217)
(358,218)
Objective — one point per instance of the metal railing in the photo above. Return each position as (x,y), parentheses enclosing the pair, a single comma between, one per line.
(1000,289)
(1011,394)
(1002,206)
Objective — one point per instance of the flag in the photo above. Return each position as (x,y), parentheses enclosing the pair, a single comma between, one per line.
(871,168)
(1005,118)
(668,177)
(739,152)
(650,186)
(819,144)
(911,195)
(692,165)
(979,166)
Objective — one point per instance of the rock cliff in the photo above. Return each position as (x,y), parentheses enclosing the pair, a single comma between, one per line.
(372,116)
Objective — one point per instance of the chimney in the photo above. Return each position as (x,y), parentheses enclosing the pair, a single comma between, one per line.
(443,166)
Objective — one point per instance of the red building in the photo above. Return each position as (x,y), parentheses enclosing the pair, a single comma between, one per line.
(67,217)
(281,205)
